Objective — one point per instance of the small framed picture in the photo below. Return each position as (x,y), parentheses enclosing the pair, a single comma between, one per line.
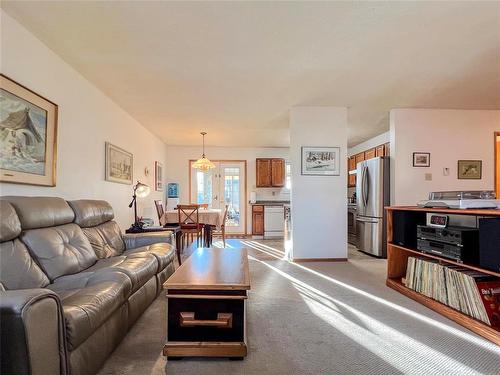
(470,169)
(119,165)
(421,159)
(158,176)
(321,161)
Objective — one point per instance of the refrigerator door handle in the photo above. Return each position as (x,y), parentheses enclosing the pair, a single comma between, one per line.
(365,186)
(370,221)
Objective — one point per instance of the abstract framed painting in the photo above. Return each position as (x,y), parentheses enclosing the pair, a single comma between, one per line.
(158,176)
(119,165)
(28,135)
(321,161)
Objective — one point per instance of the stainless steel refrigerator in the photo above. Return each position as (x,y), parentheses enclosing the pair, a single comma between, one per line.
(372,193)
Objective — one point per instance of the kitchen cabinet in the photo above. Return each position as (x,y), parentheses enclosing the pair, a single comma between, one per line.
(263,168)
(359,157)
(351,164)
(258,220)
(370,154)
(351,180)
(380,151)
(387,149)
(278,172)
(270,172)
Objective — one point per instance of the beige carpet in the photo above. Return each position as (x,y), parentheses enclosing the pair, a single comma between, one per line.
(320,318)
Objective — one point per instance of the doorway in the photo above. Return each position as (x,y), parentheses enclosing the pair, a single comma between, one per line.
(223,185)
(497,164)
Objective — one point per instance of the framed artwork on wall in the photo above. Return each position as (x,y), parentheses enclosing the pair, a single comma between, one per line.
(421,159)
(28,135)
(173,190)
(119,165)
(158,176)
(320,161)
(470,169)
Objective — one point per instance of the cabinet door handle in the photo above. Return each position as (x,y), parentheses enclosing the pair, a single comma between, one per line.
(224,320)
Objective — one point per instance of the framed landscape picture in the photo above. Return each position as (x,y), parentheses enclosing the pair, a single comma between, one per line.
(119,165)
(321,161)
(28,135)
(470,169)
(158,176)
(421,159)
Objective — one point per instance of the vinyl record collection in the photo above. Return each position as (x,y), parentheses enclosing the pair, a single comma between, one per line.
(473,293)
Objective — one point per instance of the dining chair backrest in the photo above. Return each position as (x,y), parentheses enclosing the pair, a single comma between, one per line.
(159,209)
(225,214)
(188,216)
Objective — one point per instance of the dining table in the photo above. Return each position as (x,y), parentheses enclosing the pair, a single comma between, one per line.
(209,217)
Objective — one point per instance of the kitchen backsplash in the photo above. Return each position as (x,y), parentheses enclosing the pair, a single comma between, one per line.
(266,194)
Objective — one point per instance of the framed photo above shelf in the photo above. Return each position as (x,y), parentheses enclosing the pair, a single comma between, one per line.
(321,161)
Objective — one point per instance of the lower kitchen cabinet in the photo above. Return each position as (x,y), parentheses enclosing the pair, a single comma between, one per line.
(258,220)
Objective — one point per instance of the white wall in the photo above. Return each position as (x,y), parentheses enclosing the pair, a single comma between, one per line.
(87,118)
(177,169)
(368,144)
(319,210)
(449,135)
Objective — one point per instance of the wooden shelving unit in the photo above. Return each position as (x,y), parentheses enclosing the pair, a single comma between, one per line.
(397,259)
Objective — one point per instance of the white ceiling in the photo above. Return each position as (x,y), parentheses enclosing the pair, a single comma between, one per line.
(235,69)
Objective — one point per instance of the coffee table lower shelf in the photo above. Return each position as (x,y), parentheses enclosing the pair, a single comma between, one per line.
(205,349)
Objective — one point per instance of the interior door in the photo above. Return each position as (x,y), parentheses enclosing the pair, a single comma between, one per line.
(224,184)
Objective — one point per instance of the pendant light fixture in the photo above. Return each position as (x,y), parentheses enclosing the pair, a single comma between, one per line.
(203,164)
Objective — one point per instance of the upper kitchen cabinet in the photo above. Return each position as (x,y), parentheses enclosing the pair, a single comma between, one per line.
(270,172)
(359,157)
(370,154)
(278,172)
(380,151)
(351,163)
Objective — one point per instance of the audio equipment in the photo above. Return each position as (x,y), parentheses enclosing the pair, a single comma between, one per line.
(457,243)
(404,225)
(489,243)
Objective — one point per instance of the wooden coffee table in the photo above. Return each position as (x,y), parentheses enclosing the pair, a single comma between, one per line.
(206,302)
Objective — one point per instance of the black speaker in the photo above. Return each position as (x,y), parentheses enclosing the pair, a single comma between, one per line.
(489,243)
(404,227)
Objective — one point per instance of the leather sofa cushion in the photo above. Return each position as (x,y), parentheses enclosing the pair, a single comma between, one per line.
(18,270)
(41,212)
(89,213)
(60,250)
(106,239)
(88,300)
(163,252)
(10,226)
(139,268)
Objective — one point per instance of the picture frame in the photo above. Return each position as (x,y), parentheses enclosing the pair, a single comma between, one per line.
(421,159)
(158,176)
(173,190)
(119,165)
(28,135)
(320,161)
(470,169)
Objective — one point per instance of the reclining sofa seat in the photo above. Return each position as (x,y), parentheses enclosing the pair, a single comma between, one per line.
(65,306)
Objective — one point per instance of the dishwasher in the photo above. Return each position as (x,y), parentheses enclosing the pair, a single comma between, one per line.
(274,221)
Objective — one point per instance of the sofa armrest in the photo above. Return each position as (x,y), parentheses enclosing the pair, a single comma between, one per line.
(32,333)
(133,240)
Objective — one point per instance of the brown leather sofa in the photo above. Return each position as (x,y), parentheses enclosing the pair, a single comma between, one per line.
(71,284)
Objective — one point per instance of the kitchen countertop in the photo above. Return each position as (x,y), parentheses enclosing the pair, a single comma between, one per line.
(270,203)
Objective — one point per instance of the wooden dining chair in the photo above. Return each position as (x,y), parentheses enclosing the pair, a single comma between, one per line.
(222,231)
(189,221)
(159,210)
